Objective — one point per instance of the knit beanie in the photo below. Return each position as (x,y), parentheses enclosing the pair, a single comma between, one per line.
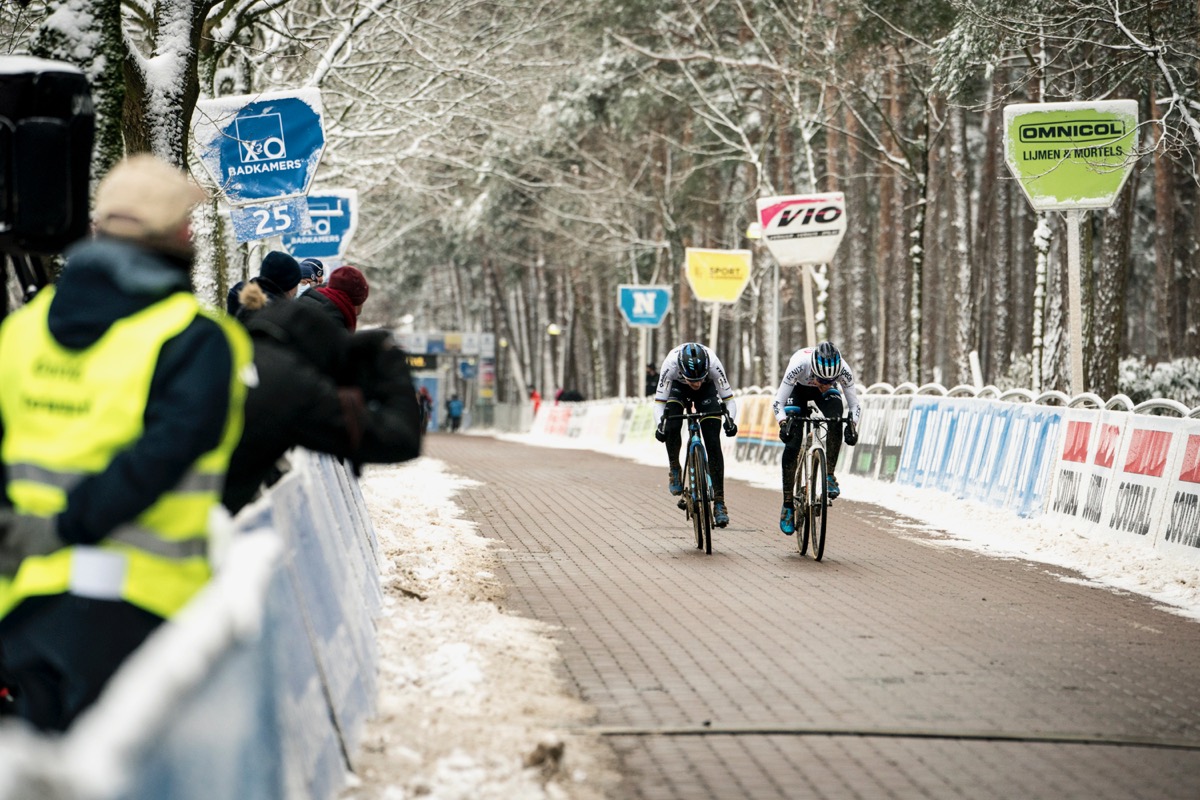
(280,269)
(314,266)
(145,199)
(351,281)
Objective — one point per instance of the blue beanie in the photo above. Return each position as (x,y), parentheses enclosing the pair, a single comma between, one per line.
(314,266)
(280,269)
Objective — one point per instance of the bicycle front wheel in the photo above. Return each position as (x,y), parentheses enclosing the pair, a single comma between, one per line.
(703,502)
(800,500)
(695,476)
(818,503)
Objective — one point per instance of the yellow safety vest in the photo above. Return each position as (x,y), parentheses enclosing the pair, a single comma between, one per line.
(67,414)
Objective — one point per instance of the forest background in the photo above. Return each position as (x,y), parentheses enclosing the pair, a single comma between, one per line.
(517,160)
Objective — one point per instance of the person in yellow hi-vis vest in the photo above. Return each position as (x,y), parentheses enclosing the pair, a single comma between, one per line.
(121,401)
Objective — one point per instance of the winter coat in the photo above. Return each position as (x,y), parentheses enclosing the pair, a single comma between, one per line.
(106,280)
(321,388)
(256,295)
(335,304)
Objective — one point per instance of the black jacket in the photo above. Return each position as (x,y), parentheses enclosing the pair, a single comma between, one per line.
(327,307)
(106,280)
(323,389)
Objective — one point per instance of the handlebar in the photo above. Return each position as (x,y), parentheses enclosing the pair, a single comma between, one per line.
(795,411)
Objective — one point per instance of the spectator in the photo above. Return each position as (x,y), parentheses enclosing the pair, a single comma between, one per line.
(342,300)
(426,401)
(535,397)
(278,277)
(454,413)
(651,380)
(318,270)
(120,404)
(325,390)
(308,278)
(571,396)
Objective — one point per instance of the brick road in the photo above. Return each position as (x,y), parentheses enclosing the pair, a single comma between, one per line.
(892,669)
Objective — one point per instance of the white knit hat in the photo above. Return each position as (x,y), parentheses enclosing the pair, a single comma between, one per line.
(144,198)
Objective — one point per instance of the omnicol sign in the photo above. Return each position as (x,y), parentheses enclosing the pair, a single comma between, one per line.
(1071,155)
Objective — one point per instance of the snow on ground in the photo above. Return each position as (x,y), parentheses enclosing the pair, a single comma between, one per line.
(472,702)
(472,705)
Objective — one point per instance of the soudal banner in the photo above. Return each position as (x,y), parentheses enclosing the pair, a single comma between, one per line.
(1144,475)
(1086,464)
(803,228)
(1182,531)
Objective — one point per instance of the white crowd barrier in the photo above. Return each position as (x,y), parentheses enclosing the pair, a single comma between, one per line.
(1113,471)
(262,685)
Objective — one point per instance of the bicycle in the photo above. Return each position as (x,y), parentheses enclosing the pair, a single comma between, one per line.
(697,499)
(811,492)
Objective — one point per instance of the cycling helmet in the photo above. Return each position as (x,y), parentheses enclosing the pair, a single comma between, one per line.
(826,361)
(693,362)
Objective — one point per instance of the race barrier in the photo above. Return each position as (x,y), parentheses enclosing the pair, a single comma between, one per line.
(260,688)
(1114,470)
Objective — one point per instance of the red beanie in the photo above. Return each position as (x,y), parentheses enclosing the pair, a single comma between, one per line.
(351,281)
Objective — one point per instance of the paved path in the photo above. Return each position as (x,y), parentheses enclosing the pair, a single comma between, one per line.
(892,669)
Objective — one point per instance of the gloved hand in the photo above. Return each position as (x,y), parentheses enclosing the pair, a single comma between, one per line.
(730,427)
(24,535)
(785,431)
(660,432)
(851,434)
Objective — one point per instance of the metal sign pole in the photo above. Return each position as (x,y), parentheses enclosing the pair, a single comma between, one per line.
(810,319)
(1075,301)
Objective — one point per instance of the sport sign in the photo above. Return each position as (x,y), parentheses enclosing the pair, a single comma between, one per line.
(261,147)
(803,228)
(644,306)
(717,276)
(1071,155)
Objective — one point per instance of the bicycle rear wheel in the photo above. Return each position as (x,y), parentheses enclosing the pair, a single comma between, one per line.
(703,507)
(818,503)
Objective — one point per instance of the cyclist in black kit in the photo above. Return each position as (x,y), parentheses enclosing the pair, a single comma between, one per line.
(692,375)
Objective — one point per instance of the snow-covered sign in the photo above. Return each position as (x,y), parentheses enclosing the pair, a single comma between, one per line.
(334,215)
(803,228)
(261,147)
(1071,155)
(251,223)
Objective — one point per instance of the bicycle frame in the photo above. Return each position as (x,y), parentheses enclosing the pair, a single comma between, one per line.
(697,499)
(810,492)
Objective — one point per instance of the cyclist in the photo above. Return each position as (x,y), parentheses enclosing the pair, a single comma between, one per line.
(692,374)
(818,374)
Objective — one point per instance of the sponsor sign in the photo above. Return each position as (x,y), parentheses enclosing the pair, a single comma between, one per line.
(644,306)
(717,276)
(1071,155)
(334,218)
(803,228)
(1183,523)
(263,146)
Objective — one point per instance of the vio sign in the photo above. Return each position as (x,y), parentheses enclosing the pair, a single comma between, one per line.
(644,306)
(803,229)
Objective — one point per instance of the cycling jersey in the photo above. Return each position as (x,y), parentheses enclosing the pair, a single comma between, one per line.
(799,373)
